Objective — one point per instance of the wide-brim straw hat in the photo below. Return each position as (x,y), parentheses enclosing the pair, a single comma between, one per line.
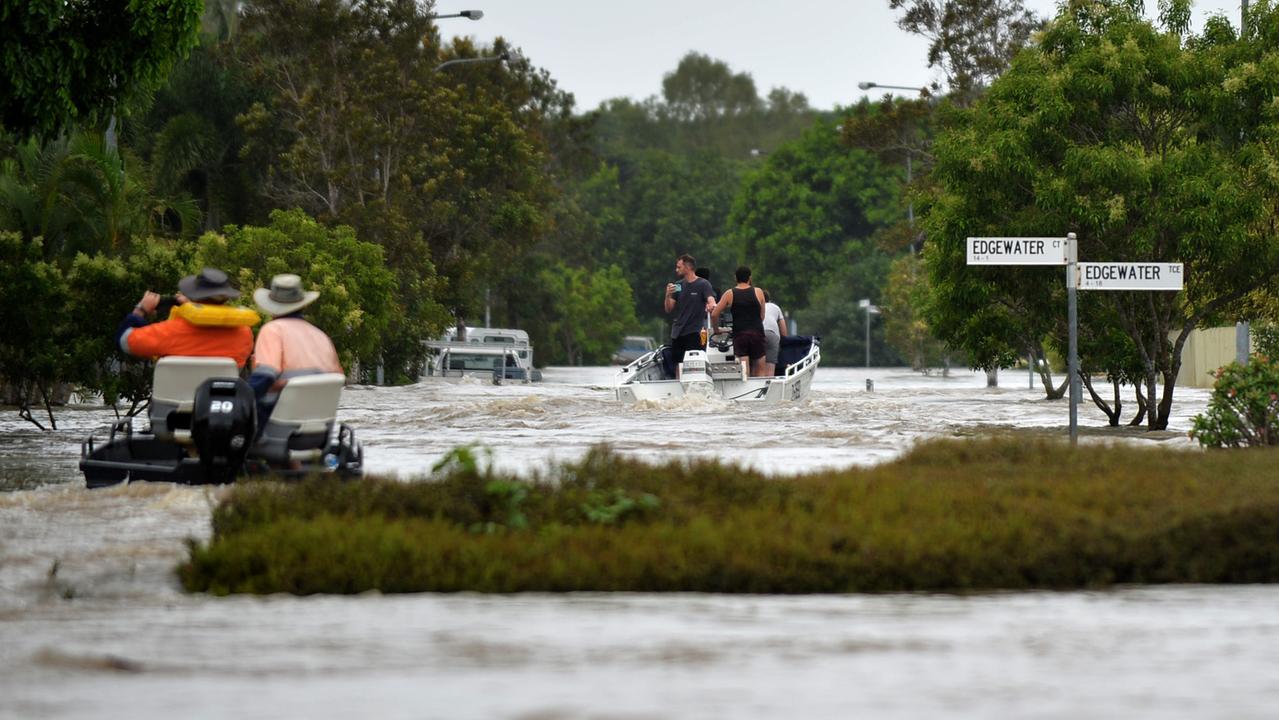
(210,283)
(285,295)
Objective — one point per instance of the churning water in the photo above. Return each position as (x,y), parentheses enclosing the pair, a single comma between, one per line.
(93,624)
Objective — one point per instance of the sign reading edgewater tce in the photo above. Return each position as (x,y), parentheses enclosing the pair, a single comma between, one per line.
(1130,276)
(1016,251)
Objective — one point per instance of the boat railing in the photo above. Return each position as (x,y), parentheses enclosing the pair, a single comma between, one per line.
(628,371)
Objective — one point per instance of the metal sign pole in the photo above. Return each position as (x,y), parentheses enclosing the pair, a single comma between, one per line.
(1072,311)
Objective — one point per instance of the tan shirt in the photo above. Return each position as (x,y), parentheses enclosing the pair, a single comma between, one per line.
(288,347)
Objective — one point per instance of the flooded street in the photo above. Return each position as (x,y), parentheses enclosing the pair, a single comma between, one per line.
(93,624)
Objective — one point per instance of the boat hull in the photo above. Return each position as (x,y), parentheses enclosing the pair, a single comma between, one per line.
(645,380)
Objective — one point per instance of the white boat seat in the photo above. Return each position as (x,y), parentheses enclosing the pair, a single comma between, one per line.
(173,391)
(300,424)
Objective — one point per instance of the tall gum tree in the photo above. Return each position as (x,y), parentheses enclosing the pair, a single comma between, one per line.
(1151,145)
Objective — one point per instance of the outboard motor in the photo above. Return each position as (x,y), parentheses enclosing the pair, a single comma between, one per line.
(223,425)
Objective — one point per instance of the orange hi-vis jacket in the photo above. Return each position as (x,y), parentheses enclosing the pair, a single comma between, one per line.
(177,336)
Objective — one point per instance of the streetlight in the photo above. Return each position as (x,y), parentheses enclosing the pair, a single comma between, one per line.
(469,14)
(467,61)
(864,304)
(864,85)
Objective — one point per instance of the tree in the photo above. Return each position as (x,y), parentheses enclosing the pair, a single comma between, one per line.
(359,129)
(702,88)
(75,194)
(1150,146)
(74,63)
(809,210)
(971,41)
(33,351)
(905,329)
(357,290)
(655,206)
(591,313)
(189,136)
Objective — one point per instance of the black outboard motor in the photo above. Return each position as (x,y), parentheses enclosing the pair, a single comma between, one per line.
(223,425)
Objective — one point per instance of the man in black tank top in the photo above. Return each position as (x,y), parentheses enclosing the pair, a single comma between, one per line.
(747,303)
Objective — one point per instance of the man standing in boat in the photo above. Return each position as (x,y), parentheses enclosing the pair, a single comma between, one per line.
(689,298)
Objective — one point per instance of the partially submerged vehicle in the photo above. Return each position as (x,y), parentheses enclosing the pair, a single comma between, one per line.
(497,353)
(204,429)
(633,348)
(716,372)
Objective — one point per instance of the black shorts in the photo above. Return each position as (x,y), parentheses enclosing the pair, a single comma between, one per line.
(683,343)
(748,344)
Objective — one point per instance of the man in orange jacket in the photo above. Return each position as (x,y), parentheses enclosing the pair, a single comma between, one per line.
(180,336)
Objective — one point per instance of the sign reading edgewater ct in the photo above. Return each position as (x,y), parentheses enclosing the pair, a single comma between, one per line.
(1130,276)
(1016,251)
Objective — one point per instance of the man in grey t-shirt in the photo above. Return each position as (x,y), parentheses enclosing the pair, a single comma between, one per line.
(690,298)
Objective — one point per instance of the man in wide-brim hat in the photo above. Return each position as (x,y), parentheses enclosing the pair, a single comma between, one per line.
(233,338)
(288,345)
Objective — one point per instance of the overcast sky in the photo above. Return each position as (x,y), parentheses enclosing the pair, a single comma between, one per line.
(601,49)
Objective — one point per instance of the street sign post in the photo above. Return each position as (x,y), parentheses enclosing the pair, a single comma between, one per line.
(1130,276)
(1016,251)
(1079,276)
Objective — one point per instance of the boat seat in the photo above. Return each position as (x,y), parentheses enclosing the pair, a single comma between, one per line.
(300,424)
(173,391)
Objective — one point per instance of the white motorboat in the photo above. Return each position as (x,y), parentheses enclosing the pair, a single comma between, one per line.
(496,353)
(716,372)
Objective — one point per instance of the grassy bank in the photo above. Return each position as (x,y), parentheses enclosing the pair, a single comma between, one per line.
(952,515)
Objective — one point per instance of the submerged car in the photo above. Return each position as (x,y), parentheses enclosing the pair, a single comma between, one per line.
(633,348)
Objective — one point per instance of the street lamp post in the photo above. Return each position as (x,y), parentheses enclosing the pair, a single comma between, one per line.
(872,85)
(910,207)
(864,304)
(468,14)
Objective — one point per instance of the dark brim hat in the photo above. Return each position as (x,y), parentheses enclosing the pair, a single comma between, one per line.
(286,295)
(210,283)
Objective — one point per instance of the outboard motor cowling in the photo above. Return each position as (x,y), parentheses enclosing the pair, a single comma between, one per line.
(223,425)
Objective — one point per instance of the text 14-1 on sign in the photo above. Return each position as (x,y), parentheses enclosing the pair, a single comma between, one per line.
(1016,251)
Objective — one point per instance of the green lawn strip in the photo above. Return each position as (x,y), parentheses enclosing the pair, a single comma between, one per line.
(951,515)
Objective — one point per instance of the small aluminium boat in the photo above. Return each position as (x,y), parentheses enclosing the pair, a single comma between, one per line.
(716,372)
(204,429)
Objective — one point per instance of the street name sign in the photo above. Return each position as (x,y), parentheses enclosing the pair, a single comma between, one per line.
(1130,276)
(1017,251)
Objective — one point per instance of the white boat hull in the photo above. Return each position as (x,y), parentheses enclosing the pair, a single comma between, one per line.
(713,375)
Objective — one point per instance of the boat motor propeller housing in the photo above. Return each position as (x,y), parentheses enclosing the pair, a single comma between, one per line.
(223,426)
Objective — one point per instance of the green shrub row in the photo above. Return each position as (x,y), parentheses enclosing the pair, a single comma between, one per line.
(951,515)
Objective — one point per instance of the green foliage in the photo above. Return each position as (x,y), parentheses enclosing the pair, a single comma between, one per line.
(75,194)
(33,328)
(1265,338)
(1244,408)
(702,88)
(68,64)
(591,311)
(809,211)
(357,290)
(440,169)
(189,136)
(905,329)
(952,515)
(654,206)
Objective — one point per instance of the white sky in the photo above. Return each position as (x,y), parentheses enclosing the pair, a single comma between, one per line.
(600,49)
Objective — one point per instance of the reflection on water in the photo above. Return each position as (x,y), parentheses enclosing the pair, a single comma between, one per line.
(92,623)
